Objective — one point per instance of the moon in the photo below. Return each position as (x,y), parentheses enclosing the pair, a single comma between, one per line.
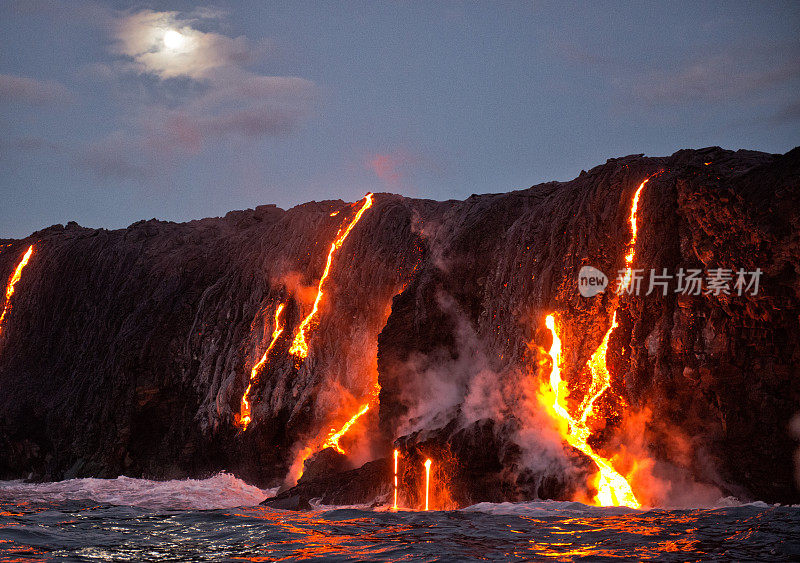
(174,39)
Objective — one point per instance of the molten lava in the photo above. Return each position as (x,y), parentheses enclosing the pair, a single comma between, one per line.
(396,453)
(244,409)
(12,282)
(601,379)
(333,439)
(626,278)
(612,488)
(299,347)
(427,481)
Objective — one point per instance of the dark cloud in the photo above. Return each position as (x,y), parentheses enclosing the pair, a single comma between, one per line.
(113,158)
(164,139)
(212,94)
(714,79)
(21,89)
(251,122)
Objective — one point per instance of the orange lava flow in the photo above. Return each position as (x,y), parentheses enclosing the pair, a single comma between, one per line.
(299,347)
(396,453)
(612,488)
(601,379)
(626,278)
(12,282)
(427,481)
(333,439)
(244,409)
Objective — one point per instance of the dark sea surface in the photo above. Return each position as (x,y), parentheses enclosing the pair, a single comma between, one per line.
(218,519)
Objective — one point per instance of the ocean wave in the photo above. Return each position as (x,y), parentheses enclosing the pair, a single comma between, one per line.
(218,492)
(545,508)
(567,508)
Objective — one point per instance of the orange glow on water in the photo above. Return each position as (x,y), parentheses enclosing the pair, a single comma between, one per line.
(12,282)
(427,481)
(299,347)
(243,418)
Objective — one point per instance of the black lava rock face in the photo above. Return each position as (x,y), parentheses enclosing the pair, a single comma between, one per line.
(127,352)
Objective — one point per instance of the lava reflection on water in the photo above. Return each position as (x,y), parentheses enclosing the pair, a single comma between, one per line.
(83,529)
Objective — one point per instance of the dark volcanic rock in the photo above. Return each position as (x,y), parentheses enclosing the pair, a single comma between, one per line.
(127,352)
(366,484)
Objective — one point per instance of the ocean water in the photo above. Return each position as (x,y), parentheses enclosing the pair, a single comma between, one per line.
(219,519)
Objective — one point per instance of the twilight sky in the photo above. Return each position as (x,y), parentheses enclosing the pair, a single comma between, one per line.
(114,112)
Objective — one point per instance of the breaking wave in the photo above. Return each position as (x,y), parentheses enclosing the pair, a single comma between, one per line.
(540,508)
(218,492)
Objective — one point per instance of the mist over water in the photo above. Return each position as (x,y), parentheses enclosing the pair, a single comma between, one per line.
(214,519)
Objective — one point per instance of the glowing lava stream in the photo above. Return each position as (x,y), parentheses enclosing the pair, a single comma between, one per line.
(626,279)
(427,480)
(333,439)
(244,408)
(12,282)
(396,453)
(299,347)
(601,379)
(612,488)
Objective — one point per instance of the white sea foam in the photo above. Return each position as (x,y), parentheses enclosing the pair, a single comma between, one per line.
(221,491)
(545,508)
(566,508)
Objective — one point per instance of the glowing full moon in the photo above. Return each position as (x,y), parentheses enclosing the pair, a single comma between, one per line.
(174,39)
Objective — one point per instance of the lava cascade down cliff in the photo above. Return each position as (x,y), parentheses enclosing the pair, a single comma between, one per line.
(128,352)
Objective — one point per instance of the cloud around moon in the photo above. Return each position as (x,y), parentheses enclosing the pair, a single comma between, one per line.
(213,94)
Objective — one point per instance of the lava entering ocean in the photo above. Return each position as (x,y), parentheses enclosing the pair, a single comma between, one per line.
(394,488)
(12,282)
(427,481)
(299,347)
(612,488)
(243,419)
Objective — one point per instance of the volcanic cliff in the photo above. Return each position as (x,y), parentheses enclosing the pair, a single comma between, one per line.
(127,352)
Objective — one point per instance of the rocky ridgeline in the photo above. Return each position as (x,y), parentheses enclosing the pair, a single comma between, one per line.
(127,352)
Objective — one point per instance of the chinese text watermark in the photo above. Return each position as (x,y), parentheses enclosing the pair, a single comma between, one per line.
(689,281)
